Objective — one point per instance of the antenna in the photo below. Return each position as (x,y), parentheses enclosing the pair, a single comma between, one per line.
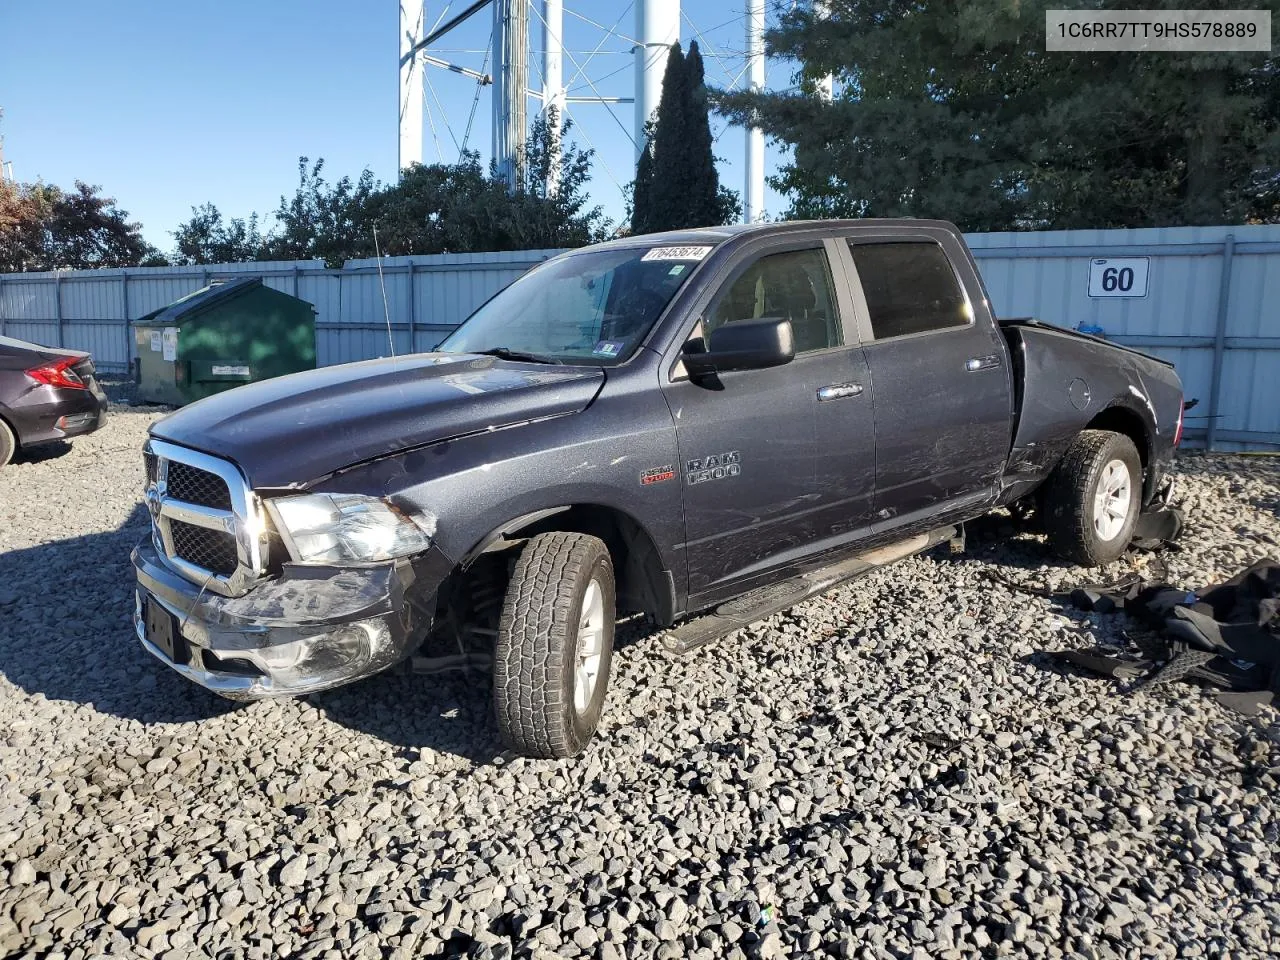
(382,282)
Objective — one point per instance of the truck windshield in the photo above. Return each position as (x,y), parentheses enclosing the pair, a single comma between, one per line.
(591,307)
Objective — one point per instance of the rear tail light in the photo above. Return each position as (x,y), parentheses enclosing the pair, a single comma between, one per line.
(1177,431)
(58,373)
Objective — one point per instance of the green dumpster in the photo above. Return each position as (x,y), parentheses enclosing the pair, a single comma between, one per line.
(226,334)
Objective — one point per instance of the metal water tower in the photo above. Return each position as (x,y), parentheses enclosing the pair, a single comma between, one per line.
(657,27)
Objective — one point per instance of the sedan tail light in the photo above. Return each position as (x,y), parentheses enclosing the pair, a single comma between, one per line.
(1177,433)
(58,373)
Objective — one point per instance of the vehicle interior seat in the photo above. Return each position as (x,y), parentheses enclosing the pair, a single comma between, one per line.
(791,295)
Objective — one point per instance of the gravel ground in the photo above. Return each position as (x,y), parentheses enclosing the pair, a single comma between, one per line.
(889,770)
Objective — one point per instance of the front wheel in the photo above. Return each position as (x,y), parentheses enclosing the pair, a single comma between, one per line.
(1092,499)
(555,645)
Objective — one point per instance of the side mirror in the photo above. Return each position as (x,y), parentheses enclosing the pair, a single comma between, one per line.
(744,345)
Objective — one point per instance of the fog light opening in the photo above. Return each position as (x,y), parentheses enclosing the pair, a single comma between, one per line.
(346,651)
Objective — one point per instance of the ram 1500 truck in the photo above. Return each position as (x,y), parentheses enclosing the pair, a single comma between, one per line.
(703,427)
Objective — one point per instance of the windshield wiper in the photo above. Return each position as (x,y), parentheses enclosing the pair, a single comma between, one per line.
(506,353)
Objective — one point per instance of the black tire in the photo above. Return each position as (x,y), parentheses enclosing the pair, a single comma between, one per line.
(8,443)
(536,656)
(1069,498)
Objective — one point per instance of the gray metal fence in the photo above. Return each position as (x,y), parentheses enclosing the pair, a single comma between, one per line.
(426,297)
(1208,304)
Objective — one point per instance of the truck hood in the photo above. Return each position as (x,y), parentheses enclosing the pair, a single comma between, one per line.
(289,431)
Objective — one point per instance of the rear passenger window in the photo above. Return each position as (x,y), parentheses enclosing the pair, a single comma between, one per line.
(910,288)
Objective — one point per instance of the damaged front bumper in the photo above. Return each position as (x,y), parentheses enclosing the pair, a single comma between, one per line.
(313,628)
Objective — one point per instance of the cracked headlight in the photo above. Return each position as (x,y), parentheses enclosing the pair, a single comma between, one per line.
(334,527)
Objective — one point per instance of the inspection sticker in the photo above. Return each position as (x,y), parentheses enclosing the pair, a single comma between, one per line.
(607,348)
(677,253)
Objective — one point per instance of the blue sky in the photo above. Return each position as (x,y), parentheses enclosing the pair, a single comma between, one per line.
(168,105)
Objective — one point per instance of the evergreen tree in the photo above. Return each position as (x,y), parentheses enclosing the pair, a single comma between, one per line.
(642,189)
(668,184)
(955,111)
(708,203)
(677,185)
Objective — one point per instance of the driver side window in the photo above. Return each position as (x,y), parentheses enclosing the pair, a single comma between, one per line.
(795,286)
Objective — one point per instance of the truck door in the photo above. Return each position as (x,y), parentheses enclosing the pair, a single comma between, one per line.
(747,440)
(942,402)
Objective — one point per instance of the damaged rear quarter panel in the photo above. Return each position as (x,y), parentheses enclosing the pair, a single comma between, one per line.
(1065,382)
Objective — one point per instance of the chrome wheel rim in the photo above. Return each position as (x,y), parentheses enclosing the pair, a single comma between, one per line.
(590,647)
(1111,502)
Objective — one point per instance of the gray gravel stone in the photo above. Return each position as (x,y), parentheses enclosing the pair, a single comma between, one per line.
(888,770)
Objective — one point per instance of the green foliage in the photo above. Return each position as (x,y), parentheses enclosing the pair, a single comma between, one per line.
(709,203)
(43,227)
(957,111)
(207,238)
(435,208)
(677,185)
(323,221)
(642,188)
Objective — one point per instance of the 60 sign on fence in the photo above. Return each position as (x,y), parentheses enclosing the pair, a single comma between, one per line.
(1118,276)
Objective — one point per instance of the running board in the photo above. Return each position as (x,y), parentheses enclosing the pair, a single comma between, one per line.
(747,608)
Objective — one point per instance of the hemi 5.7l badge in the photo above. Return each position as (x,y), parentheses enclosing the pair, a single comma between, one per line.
(657,475)
(717,467)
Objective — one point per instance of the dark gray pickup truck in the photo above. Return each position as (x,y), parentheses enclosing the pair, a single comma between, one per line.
(704,427)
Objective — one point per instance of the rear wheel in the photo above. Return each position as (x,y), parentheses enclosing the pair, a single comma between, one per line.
(1092,499)
(8,443)
(555,645)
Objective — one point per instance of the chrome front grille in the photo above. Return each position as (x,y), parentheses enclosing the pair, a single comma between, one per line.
(204,519)
(191,485)
(213,550)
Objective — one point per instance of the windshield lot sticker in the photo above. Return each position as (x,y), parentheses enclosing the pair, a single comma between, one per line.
(702,469)
(607,348)
(677,253)
(657,475)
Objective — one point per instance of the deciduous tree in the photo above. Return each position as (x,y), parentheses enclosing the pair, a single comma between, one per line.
(207,238)
(45,228)
(433,208)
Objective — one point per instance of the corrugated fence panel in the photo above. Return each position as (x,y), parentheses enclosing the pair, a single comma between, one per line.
(1046,275)
(148,294)
(1027,274)
(1255,295)
(362,297)
(347,342)
(105,340)
(35,332)
(323,291)
(26,299)
(90,299)
(1250,398)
